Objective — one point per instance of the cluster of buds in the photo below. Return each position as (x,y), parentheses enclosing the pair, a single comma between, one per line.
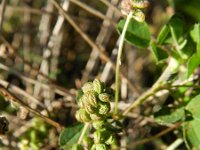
(94,102)
(135,6)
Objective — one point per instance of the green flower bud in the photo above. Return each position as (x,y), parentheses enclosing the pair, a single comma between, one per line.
(100,136)
(111,140)
(138,15)
(104,108)
(104,97)
(99,147)
(91,98)
(77,147)
(90,109)
(88,142)
(87,87)
(96,117)
(81,101)
(98,124)
(140,4)
(82,116)
(98,86)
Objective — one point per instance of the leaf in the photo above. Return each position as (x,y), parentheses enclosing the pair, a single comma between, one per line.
(193,107)
(70,136)
(195,35)
(162,36)
(192,132)
(174,29)
(137,33)
(167,115)
(190,8)
(158,52)
(193,63)
(177,27)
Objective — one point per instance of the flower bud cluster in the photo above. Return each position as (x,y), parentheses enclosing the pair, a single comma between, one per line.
(135,6)
(94,102)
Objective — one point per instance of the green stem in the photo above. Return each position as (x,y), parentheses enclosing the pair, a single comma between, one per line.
(119,61)
(83,132)
(156,87)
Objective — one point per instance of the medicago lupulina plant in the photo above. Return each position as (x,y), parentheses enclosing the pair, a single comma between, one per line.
(177,47)
(170,104)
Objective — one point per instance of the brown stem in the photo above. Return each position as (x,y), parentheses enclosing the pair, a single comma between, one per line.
(11,97)
(143,141)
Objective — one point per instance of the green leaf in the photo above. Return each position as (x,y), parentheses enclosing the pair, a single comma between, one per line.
(195,34)
(193,107)
(162,36)
(167,115)
(193,63)
(158,52)
(177,27)
(70,136)
(192,132)
(190,8)
(137,33)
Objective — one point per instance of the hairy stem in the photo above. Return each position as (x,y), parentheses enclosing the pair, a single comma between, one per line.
(86,126)
(117,72)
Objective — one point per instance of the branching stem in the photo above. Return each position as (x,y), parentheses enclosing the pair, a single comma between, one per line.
(172,66)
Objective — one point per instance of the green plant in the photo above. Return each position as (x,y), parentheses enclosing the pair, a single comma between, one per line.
(177,47)
(148,99)
(94,101)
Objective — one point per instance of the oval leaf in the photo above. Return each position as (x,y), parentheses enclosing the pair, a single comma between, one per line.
(192,130)
(70,136)
(137,33)
(193,63)
(167,115)
(162,36)
(195,33)
(193,107)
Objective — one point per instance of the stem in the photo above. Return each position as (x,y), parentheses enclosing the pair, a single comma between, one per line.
(12,98)
(83,133)
(156,87)
(160,134)
(175,144)
(119,61)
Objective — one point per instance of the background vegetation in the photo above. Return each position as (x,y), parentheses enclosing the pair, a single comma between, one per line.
(49,49)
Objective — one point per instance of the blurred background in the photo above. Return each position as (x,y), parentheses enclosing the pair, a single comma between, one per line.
(49,48)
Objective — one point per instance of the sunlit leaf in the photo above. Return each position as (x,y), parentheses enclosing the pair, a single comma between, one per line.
(70,136)
(193,63)
(137,33)
(192,131)
(167,115)
(195,34)
(162,36)
(194,107)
